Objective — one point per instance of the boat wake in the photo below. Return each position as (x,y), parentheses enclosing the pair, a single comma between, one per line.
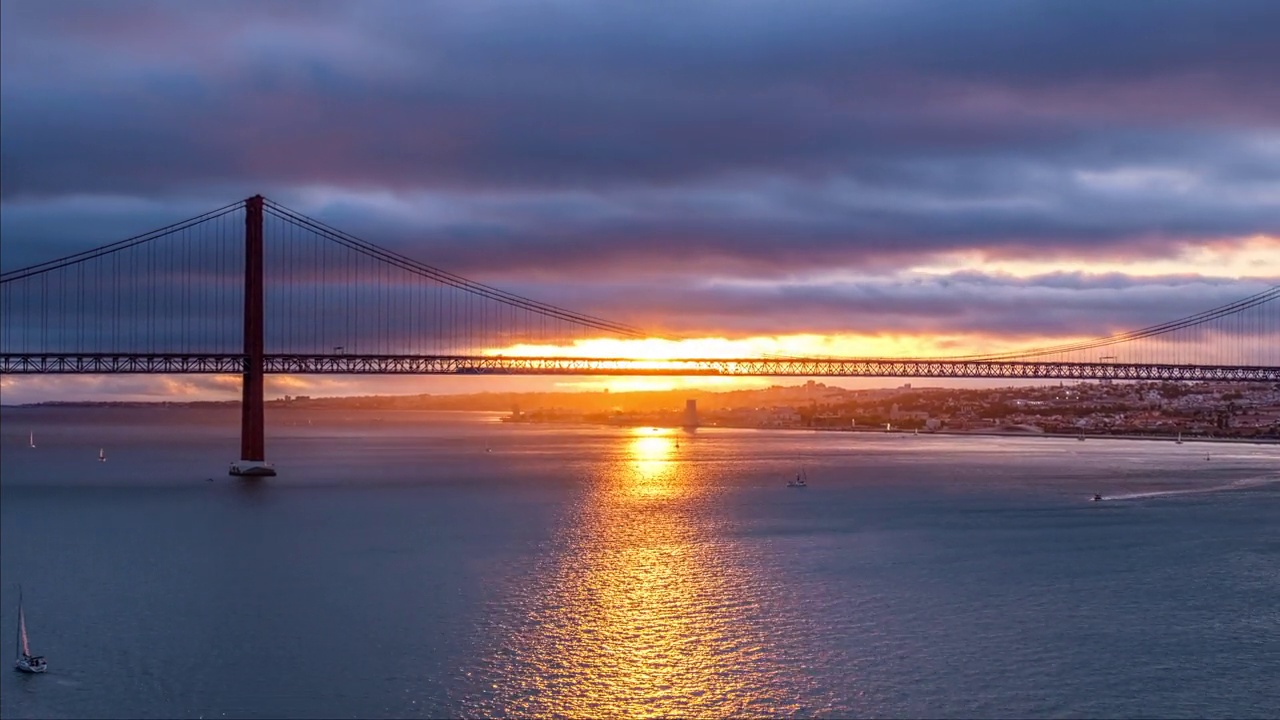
(1241,484)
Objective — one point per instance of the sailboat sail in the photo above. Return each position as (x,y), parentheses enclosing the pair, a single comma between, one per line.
(26,662)
(22,632)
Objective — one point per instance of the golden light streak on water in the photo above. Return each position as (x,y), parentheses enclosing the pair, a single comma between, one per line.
(652,612)
(652,451)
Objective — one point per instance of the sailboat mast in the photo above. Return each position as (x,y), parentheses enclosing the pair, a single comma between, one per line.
(18,636)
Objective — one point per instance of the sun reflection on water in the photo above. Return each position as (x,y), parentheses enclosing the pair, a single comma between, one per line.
(649,614)
(652,454)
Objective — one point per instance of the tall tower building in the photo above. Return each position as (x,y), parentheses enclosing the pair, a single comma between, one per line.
(691,413)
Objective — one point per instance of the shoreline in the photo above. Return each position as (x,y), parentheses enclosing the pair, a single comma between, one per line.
(505,418)
(1087,436)
(950,433)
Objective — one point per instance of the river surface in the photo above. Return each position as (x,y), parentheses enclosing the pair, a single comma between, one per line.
(444,565)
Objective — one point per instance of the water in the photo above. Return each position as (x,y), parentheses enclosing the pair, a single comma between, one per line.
(428,565)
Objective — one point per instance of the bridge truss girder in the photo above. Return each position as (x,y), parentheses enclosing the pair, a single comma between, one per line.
(94,364)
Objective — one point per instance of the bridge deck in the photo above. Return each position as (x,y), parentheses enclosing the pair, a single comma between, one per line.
(735,367)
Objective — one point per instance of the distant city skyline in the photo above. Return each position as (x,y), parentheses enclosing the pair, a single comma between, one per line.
(840,178)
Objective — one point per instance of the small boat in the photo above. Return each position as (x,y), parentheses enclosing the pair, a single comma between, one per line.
(102,454)
(31,439)
(1179,440)
(1081,438)
(802,479)
(1097,497)
(26,662)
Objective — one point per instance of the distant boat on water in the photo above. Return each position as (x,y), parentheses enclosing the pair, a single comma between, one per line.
(1179,440)
(102,454)
(26,662)
(802,479)
(31,439)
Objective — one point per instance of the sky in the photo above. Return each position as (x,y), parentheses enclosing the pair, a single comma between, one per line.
(838,177)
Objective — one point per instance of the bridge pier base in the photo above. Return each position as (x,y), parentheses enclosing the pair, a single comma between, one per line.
(253,450)
(252,468)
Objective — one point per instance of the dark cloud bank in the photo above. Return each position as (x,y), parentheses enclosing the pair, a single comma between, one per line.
(667,153)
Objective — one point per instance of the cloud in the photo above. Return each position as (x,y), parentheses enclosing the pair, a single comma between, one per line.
(318,301)
(748,226)
(967,303)
(717,169)
(137,388)
(154,97)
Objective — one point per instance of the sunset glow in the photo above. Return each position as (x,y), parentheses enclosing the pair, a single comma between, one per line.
(1256,256)
(807,345)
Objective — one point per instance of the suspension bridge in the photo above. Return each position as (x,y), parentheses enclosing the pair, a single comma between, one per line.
(254,288)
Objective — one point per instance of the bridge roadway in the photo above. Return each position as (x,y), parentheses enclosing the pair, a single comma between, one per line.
(95,364)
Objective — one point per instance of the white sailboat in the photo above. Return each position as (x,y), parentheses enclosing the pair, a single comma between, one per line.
(102,454)
(31,439)
(26,662)
(1179,440)
(802,479)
